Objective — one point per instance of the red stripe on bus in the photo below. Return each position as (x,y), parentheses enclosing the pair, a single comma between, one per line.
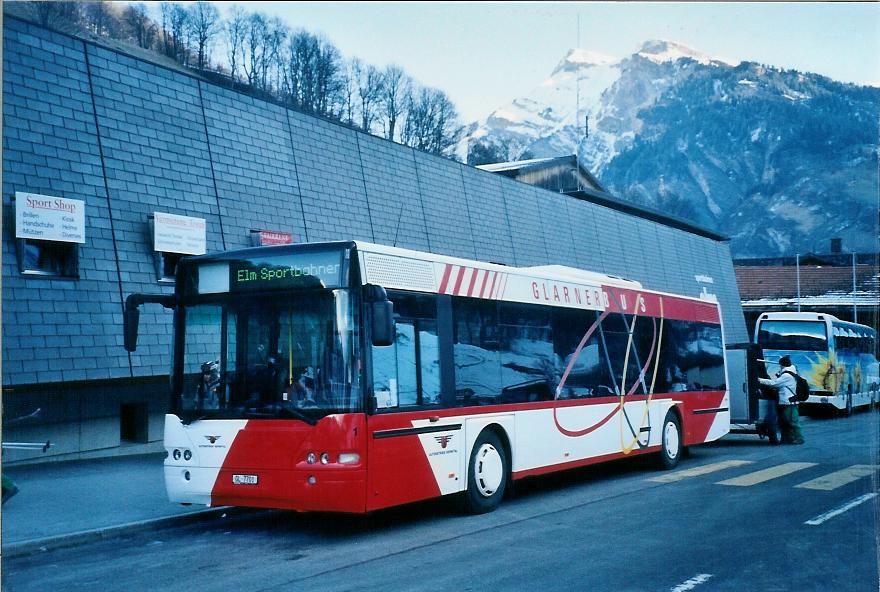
(485,280)
(445,281)
(458,281)
(473,282)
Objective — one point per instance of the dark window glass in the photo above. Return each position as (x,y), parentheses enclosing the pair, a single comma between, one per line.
(614,335)
(168,265)
(429,357)
(691,357)
(679,358)
(48,258)
(271,358)
(710,357)
(476,352)
(407,373)
(589,375)
(793,335)
(528,365)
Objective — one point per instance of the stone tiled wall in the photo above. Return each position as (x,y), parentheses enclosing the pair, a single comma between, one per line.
(131,138)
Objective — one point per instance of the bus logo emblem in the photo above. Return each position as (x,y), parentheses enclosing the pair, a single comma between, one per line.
(212,439)
(443,440)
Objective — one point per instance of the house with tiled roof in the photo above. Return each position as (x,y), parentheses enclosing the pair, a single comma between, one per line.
(842,284)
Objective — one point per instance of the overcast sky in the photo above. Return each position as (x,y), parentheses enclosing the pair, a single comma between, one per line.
(486,54)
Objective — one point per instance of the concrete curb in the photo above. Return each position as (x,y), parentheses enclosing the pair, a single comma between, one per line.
(51,543)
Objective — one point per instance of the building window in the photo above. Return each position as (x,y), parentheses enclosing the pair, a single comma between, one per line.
(168,265)
(49,258)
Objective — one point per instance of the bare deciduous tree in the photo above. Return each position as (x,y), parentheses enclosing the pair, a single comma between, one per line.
(54,14)
(97,18)
(140,25)
(351,72)
(235,29)
(393,97)
(314,78)
(272,58)
(369,89)
(204,24)
(175,31)
(254,47)
(431,122)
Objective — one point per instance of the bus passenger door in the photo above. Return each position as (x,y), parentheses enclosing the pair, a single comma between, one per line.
(414,453)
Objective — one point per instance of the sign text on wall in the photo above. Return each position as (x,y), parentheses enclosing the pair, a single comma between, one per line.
(178,234)
(43,217)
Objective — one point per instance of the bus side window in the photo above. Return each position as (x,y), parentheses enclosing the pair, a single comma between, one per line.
(407,373)
(475,351)
(528,370)
(587,373)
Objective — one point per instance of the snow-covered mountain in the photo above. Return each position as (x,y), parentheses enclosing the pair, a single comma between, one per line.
(548,122)
(779,160)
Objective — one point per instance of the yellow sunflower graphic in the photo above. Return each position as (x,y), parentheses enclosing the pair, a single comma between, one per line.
(825,373)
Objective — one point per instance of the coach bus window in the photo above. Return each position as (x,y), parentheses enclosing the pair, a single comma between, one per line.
(528,369)
(793,335)
(476,357)
(587,373)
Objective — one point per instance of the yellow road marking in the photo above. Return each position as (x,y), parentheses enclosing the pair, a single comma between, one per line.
(697,471)
(839,478)
(767,474)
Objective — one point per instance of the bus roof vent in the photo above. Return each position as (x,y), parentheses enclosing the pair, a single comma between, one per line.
(398,272)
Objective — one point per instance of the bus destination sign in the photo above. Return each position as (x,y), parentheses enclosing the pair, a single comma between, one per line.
(294,270)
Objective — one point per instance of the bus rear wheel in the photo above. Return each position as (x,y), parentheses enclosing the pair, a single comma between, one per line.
(487,474)
(671,446)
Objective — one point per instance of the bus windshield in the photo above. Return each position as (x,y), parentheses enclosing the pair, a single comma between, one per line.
(793,335)
(288,355)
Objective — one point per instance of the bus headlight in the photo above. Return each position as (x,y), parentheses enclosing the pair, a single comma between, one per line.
(176,454)
(349,458)
(325,458)
(311,458)
(187,454)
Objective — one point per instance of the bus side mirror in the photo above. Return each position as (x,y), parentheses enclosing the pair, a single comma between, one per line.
(130,319)
(383,323)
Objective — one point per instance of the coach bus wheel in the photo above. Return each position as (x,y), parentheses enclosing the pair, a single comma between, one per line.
(670,451)
(487,474)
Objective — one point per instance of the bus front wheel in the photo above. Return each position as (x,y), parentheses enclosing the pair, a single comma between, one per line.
(671,447)
(487,474)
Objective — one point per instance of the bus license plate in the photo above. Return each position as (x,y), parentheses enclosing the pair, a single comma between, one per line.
(244,479)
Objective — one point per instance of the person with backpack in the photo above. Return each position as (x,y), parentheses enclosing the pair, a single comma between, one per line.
(786,384)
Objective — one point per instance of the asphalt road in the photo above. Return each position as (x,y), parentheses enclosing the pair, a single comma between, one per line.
(738,514)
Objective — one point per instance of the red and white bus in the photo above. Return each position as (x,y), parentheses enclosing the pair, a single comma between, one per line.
(350,376)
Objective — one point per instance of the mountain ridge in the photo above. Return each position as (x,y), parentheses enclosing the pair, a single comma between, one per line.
(779,160)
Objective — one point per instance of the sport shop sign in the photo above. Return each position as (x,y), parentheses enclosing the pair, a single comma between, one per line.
(43,217)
